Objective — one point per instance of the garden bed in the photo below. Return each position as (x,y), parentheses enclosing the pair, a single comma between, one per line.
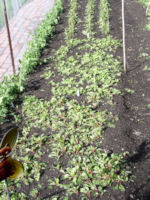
(84,124)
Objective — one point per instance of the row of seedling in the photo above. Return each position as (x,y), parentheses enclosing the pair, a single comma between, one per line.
(72,20)
(104,17)
(89,15)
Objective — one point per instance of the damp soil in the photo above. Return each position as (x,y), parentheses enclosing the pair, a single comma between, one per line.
(132,132)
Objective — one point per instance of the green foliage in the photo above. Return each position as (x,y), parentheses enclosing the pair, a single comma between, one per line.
(92,74)
(32,56)
(11,87)
(104,17)
(30,151)
(89,12)
(144,2)
(93,172)
(14,195)
(9,90)
(77,127)
(73,121)
(128,90)
(72,20)
(147,11)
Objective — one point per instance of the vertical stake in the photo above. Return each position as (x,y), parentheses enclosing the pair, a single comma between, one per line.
(7,189)
(9,38)
(147,9)
(123,36)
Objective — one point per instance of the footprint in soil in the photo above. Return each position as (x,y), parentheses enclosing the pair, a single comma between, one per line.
(142,153)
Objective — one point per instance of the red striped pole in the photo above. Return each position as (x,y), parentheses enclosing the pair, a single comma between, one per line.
(9,38)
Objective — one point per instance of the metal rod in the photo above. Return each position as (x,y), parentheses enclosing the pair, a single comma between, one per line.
(9,38)
(7,189)
(123,36)
(147,8)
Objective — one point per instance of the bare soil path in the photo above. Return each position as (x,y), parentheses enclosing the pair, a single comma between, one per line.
(135,114)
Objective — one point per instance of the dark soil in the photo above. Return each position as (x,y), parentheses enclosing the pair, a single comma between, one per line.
(132,132)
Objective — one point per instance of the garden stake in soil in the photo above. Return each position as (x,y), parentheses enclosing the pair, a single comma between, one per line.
(123,36)
(147,9)
(7,189)
(9,38)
